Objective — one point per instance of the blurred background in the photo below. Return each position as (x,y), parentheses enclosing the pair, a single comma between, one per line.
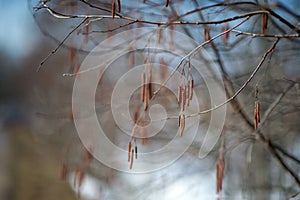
(37,135)
(29,167)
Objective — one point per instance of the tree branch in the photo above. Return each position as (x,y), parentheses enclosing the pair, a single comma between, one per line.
(271,49)
(60,44)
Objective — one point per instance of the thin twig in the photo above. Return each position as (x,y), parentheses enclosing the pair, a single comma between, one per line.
(113,29)
(245,83)
(271,149)
(177,22)
(60,44)
(271,12)
(273,105)
(267,36)
(194,51)
(267,114)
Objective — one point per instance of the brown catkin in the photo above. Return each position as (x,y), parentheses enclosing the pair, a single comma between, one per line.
(80,178)
(264,23)
(113,8)
(150,86)
(145,101)
(256,114)
(129,150)
(167,3)
(135,116)
(131,59)
(136,151)
(221,166)
(191,87)
(217,178)
(181,124)
(187,95)
(179,94)
(79,174)
(143,89)
(206,33)
(131,159)
(86,30)
(183,98)
(226,35)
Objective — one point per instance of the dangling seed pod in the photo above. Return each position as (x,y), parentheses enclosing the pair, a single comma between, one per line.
(217,178)
(256,114)
(181,123)
(221,171)
(179,94)
(226,35)
(145,101)
(113,8)
(187,94)
(131,159)
(219,175)
(79,174)
(183,98)
(131,59)
(264,23)
(150,87)
(129,150)
(136,151)
(135,116)
(86,30)
(167,3)
(206,33)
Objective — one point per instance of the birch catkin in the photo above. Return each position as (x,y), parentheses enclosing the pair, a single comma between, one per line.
(183,98)
(179,94)
(113,8)
(136,151)
(256,114)
(264,23)
(150,87)
(129,150)
(131,159)
(181,124)
(143,89)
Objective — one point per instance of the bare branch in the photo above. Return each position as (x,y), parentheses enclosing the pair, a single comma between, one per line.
(60,44)
(265,35)
(244,85)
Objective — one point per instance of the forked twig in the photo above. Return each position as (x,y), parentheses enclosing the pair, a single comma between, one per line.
(245,83)
(266,35)
(60,44)
(194,51)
